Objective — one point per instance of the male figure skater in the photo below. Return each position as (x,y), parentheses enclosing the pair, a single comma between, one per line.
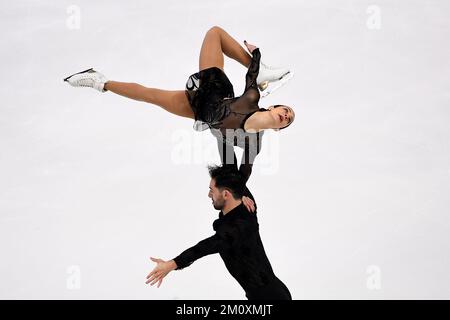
(237,240)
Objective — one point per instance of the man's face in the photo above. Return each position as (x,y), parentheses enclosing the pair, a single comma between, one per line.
(217,198)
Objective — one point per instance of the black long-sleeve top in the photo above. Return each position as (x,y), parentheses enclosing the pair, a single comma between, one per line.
(239,244)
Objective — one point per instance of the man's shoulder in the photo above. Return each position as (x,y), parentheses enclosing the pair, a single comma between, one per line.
(245,219)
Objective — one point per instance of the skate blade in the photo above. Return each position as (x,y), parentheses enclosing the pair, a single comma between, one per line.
(274,86)
(65,79)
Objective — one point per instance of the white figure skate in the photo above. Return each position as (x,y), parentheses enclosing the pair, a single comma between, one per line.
(88,78)
(268,75)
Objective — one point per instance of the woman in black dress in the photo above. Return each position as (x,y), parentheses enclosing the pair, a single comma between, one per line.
(209,97)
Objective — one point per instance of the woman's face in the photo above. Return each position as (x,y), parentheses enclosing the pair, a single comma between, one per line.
(283,115)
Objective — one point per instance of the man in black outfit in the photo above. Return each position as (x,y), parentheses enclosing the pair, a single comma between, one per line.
(237,240)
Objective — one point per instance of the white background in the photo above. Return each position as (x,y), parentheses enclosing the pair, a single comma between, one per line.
(353,197)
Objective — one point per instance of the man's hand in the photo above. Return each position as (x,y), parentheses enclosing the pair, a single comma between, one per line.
(248,203)
(161,270)
(249,46)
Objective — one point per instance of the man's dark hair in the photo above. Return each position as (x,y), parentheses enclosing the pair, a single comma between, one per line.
(229,178)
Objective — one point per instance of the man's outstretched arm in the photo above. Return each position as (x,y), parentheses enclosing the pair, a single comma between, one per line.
(203,248)
(163,268)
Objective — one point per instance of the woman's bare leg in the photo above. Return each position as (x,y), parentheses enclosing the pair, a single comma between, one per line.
(218,42)
(174,102)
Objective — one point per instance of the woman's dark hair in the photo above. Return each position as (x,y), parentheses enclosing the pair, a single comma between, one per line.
(281,105)
(229,178)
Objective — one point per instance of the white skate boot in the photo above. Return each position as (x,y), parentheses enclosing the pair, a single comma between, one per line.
(88,78)
(277,76)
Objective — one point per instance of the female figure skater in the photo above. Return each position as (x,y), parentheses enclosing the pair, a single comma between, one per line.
(209,97)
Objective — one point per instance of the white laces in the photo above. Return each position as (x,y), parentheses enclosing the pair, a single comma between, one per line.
(85,82)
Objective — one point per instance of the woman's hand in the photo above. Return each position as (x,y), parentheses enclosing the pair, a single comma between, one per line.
(249,204)
(249,46)
(161,270)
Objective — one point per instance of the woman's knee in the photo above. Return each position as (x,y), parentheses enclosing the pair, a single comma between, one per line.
(216,30)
